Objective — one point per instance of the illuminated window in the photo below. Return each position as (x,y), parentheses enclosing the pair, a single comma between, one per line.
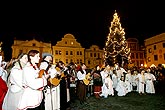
(59,52)
(149,50)
(149,59)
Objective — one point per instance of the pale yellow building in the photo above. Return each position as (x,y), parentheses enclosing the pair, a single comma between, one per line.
(68,50)
(94,56)
(1,52)
(137,53)
(155,50)
(20,46)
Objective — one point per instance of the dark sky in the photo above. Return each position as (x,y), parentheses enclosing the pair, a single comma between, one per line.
(88,21)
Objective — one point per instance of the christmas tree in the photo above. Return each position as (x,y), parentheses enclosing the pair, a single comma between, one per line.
(116,49)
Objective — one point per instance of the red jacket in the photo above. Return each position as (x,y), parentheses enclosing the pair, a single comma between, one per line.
(3,91)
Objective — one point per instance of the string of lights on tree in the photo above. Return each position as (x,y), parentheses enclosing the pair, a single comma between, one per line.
(116,49)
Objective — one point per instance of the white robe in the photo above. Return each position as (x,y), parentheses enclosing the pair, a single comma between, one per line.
(15,89)
(52,93)
(128,81)
(121,88)
(31,96)
(107,88)
(115,80)
(141,83)
(149,83)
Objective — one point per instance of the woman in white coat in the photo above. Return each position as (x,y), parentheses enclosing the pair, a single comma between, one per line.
(15,88)
(107,88)
(33,84)
(149,82)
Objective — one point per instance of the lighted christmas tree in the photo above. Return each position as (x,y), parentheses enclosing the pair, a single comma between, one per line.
(116,49)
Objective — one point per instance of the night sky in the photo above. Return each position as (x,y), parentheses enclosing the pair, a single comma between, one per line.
(88,21)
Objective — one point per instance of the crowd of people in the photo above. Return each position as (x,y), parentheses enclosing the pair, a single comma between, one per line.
(33,82)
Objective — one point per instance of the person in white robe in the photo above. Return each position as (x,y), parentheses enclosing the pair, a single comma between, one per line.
(141,82)
(121,87)
(128,80)
(134,81)
(114,79)
(107,88)
(149,82)
(51,92)
(33,84)
(15,88)
(120,71)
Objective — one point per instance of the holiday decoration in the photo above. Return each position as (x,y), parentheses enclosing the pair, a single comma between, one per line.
(116,49)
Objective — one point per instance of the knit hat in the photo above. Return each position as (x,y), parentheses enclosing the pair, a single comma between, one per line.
(46,54)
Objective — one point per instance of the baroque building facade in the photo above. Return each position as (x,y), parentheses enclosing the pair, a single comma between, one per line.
(20,46)
(68,50)
(137,53)
(94,56)
(155,50)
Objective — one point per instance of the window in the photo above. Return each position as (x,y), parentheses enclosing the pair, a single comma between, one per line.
(149,59)
(155,57)
(149,50)
(154,47)
(33,44)
(137,55)
(77,52)
(141,55)
(59,52)
(89,62)
(66,52)
(94,54)
(98,55)
(71,52)
(56,52)
(164,56)
(80,60)
(91,55)
(137,63)
(80,53)
(66,61)
(56,60)
(163,45)
(132,55)
(77,61)
(65,42)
